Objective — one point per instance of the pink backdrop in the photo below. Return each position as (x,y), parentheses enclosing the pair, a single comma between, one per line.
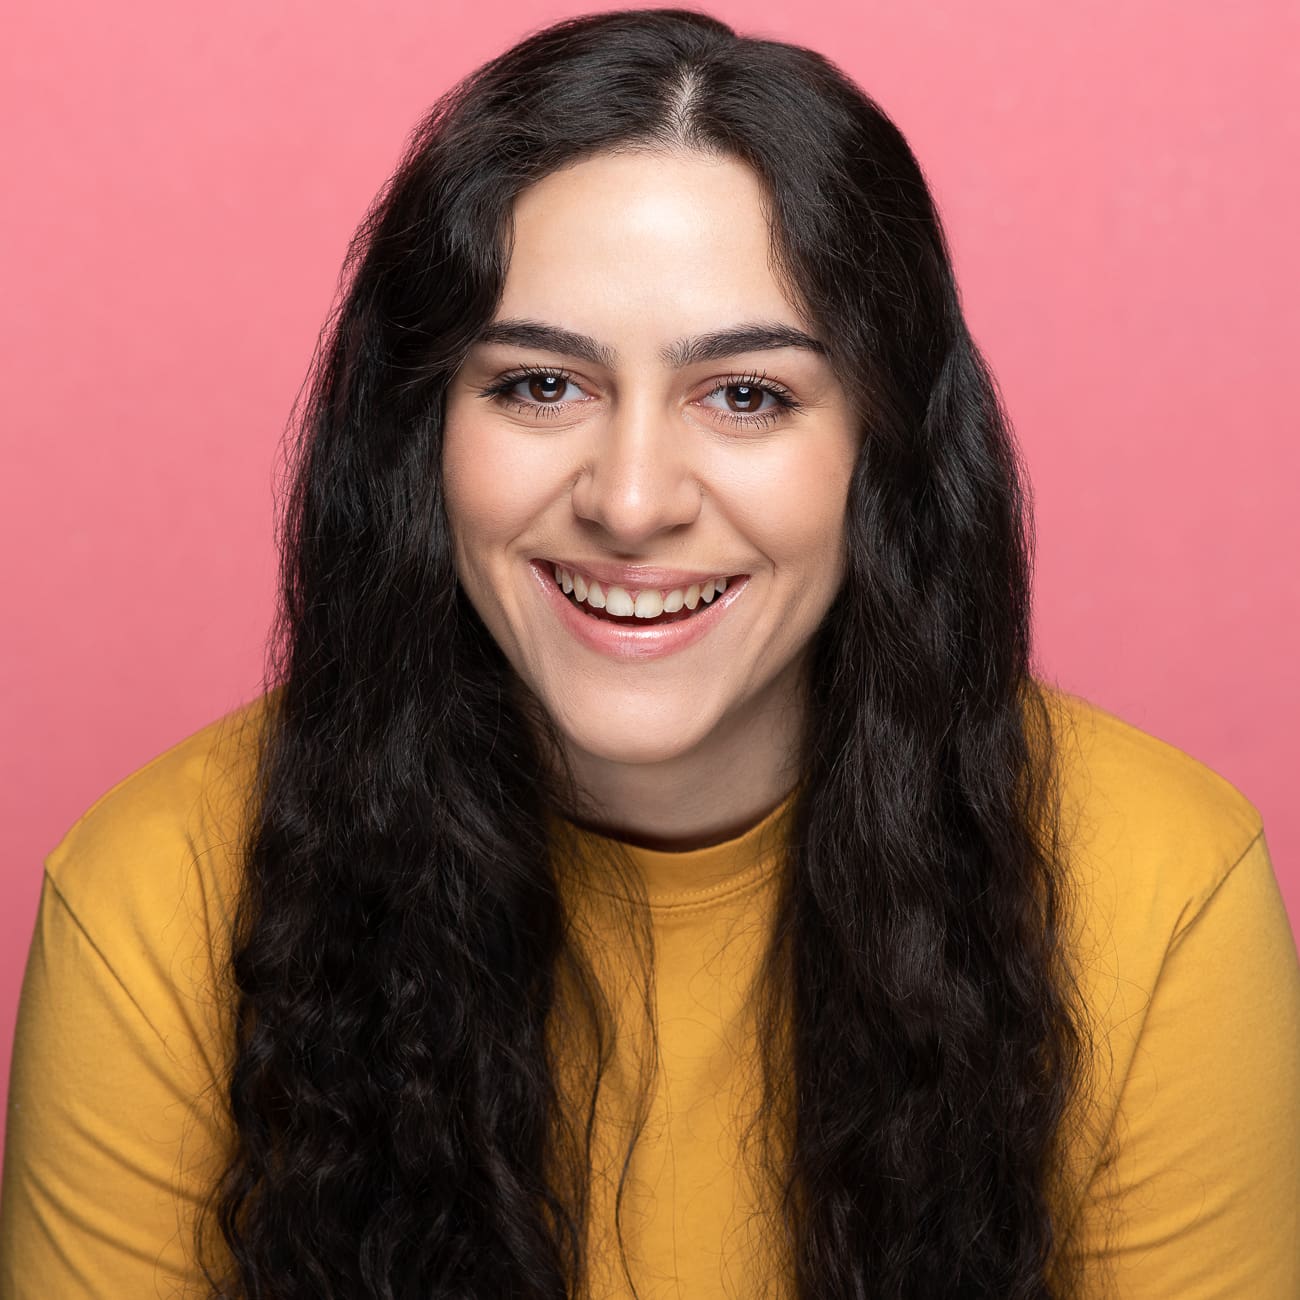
(179,187)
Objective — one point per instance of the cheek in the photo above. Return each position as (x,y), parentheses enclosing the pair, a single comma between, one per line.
(494,483)
(796,511)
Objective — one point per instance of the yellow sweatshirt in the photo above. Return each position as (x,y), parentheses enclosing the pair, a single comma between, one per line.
(1189,966)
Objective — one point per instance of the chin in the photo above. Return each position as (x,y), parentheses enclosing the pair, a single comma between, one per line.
(659,741)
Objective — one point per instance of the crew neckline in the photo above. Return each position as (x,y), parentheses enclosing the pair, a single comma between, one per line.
(690,877)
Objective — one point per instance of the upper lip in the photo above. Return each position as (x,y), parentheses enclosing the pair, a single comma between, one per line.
(642,577)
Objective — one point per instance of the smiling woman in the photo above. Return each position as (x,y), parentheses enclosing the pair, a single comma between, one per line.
(653,868)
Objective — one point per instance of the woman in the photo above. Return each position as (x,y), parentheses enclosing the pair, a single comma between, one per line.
(654,868)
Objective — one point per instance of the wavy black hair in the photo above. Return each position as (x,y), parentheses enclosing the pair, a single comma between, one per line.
(401,938)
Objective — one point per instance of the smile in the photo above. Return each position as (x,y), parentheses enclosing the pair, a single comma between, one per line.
(636,624)
(616,603)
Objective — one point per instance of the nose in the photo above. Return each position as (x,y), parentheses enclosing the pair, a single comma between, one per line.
(638,479)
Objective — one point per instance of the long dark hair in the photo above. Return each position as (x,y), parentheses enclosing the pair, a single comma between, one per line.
(401,938)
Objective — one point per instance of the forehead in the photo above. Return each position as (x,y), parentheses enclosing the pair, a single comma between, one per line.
(639,243)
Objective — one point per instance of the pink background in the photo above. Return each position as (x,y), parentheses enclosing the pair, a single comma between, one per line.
(180,184)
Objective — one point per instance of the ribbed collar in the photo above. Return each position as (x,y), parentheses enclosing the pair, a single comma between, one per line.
(697,876)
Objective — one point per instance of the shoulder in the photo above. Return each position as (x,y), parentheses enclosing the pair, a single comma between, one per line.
(1149,836)
(1187,965)
(158,852)
(1146,823)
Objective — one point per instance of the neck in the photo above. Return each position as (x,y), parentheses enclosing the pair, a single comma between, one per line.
(713,793)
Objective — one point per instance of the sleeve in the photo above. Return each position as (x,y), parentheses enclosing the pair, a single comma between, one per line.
(104,1094)
(1201,1200)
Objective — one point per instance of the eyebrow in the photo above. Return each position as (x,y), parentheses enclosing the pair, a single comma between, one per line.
(760,336)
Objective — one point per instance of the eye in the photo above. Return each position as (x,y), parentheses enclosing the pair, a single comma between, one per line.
(751,400)
(534,389)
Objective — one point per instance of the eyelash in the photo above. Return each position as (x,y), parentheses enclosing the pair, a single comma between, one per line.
(786,401)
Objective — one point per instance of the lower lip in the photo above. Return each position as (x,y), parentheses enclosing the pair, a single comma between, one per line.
(635,642)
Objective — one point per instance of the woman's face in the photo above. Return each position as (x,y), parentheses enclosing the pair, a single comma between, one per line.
(662,416)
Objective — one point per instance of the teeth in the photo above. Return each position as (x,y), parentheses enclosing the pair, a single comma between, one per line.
(618,602)
(649,604)
(642,604)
